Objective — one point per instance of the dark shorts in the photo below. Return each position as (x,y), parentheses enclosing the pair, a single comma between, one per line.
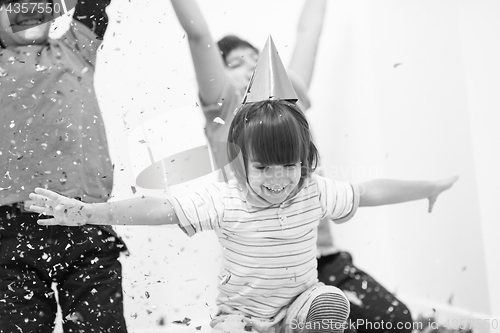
(92,13)
(82,261)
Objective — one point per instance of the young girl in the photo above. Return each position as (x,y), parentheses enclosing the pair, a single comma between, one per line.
(266,220)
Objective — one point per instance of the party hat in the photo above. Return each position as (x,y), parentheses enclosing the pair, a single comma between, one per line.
(269,79)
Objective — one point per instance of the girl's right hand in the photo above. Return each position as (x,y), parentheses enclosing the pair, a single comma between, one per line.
(440,186)
(65,211)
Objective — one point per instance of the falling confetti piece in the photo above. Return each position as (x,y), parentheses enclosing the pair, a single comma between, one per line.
(30,295)
(225,279)
(40,68)
(147,294)
(218,120)
(198,328)
(74,317)
(397,64)
(353,298)
(186,321)
(3,72)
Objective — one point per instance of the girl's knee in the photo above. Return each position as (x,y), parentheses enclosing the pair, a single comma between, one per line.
(328,312)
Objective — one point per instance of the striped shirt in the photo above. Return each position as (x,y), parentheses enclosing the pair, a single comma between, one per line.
(269,251)
(225,109)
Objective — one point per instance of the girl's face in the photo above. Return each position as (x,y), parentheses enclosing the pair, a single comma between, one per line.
(240,63)
(274,183)
(25,17)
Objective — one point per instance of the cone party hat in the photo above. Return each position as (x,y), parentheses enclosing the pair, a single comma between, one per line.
(269,79)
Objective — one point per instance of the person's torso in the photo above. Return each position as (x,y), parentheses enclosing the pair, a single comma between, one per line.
(269,254)
(51,129)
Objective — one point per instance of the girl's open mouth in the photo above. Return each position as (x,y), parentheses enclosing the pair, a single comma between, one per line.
(30,22)
(275,190)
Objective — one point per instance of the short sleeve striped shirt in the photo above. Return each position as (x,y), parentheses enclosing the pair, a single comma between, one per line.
(269,253)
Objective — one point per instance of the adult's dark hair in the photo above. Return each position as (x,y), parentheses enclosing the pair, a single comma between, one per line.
(231,42)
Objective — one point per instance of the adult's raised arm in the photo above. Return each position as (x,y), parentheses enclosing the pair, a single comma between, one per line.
(307,40)
(207,60)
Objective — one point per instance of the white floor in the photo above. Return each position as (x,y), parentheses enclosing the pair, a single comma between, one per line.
(168,277)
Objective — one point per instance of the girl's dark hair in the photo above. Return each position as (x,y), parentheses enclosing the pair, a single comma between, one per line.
(230,42)
(2,2)
(272,132)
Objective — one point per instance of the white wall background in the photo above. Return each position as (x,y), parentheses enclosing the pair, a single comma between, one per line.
(403,89)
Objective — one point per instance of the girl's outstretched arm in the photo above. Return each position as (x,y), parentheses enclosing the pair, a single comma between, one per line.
(207,60)
(387,191)
(71,212)
(307,41)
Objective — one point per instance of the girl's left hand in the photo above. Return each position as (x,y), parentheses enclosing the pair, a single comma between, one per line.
(441,186)
(65,211)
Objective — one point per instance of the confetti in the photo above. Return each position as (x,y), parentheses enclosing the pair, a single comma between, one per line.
(225,279)
(30,295)
(353,298)
(218,120)
(74,317)
(186,321)
(40,68)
